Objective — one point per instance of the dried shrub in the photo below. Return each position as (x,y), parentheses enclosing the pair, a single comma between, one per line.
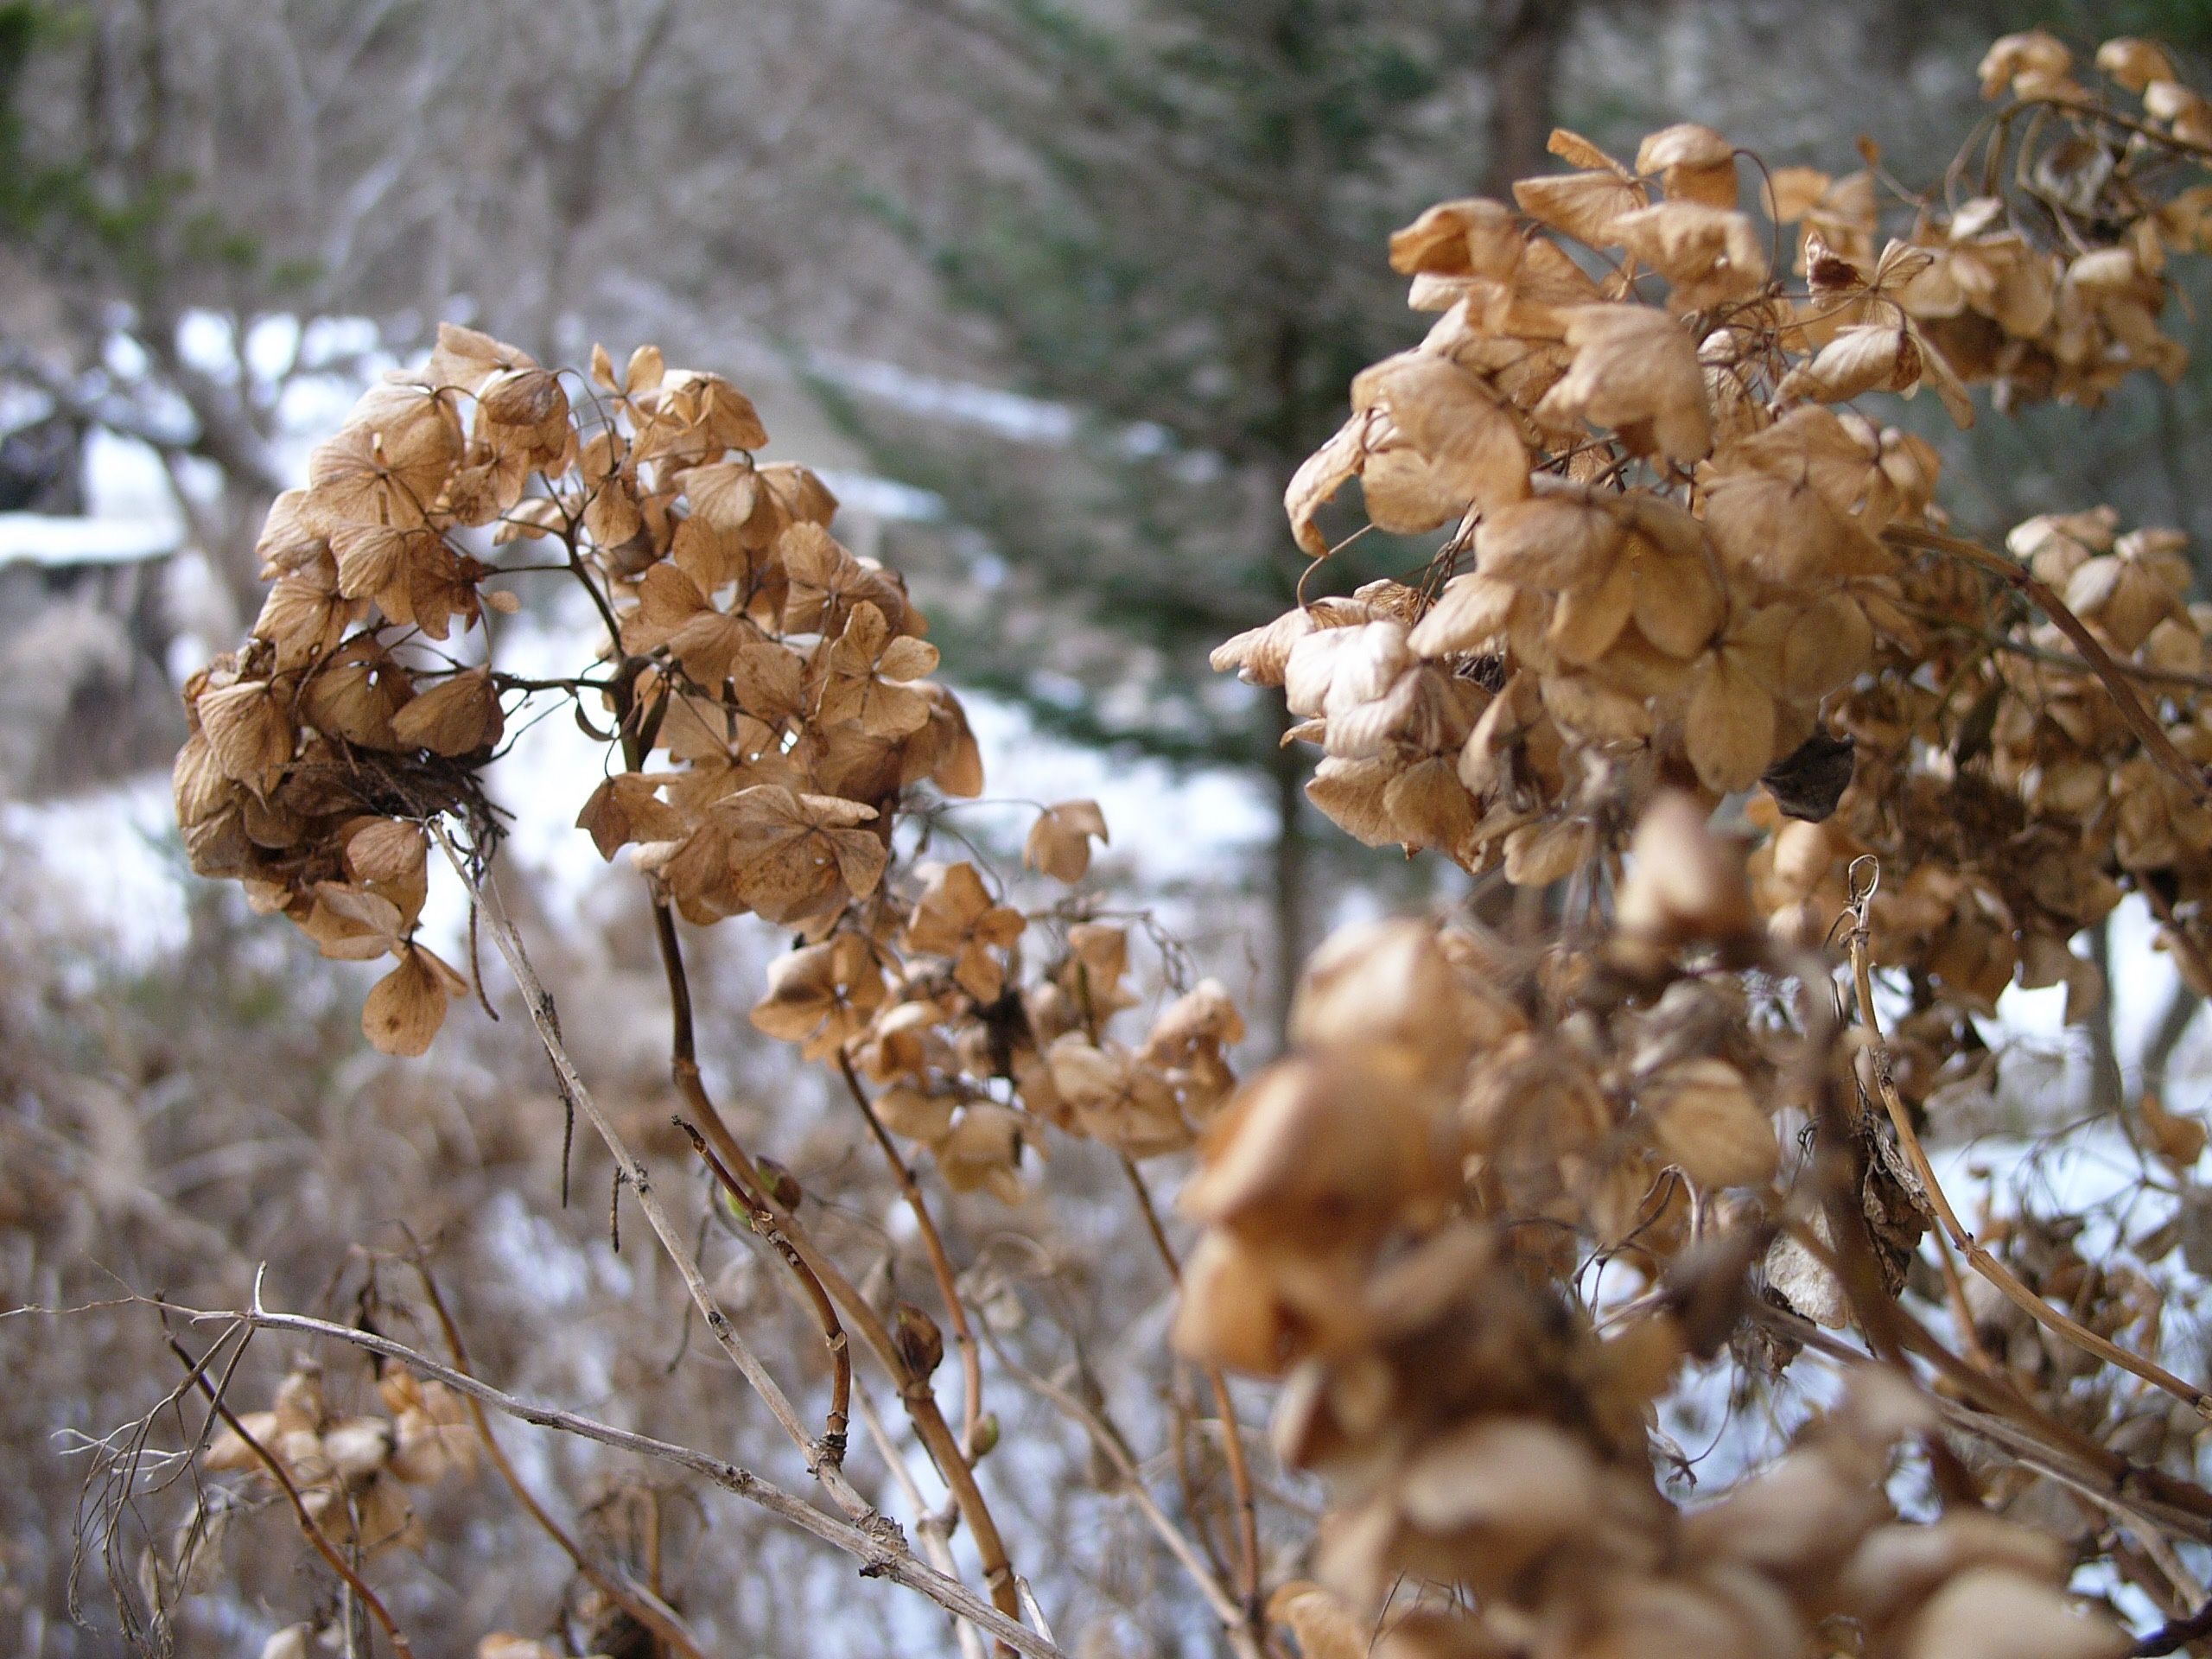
(1683,570)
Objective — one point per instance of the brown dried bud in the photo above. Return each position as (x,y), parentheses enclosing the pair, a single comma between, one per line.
(920,1344)
(1809,782)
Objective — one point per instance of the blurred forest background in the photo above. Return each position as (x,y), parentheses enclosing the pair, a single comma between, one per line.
(1057,293)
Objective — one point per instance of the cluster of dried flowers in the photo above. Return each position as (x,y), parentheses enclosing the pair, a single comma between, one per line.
(1677,565)
(1682,568)
(779,677)
(1399,1220)
(349,1475)
(771,730)
(1680,547)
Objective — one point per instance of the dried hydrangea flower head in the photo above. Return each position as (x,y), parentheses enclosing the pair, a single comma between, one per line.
(773,728)
(1685,567)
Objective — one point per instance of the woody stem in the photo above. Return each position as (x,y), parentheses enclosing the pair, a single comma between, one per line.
(971,1364)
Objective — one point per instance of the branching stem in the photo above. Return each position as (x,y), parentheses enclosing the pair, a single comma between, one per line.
(1989,1266)
(877,1544)
(540,1003)
(947,1283)
(648,1610)
(833,1334)
(310,1527)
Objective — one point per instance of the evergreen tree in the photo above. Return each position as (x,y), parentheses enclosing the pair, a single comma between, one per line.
(1179,236)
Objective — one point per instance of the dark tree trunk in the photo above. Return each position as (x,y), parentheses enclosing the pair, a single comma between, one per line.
(2107,1088)
(2173,1026)
(1527,37)
(41,467)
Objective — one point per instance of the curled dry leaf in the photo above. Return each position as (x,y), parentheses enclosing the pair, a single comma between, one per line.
(407,1006)
(820,996)
(1634,368)
(460,715)
(956,918)
(626,808)
(1059,842)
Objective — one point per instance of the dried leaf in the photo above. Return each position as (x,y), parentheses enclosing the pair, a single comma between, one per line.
(460,715)
(1059,842)
(1707,1121)
(1634,367)
(407,1006)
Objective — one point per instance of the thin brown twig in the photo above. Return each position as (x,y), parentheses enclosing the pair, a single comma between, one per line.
(1152,1224)
(2181,1587)
(2172,1636)
(2000,1405)
(914,1391)
(2095,113)
(1180,1421)
(825,1312)
(543,1020)
(2148,1492)
(1954,1292)
(2151,673)
(921,1407)
(934,1529)
(683,1064)
(1991,1267)
(1116,1452)
(948,1284)
(1239,1473)
(2187,947)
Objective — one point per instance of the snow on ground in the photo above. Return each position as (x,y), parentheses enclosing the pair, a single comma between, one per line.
(109,881)
(57,539)
(2143,982)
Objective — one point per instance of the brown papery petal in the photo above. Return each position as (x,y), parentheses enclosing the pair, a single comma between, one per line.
(1471,611)
(1633,363)
(1551,542)
(407,1006)
(1588,207)
(1729,728)
(1059,842)
(1707,1121)
(459,717)
(387,849)
(1319,478)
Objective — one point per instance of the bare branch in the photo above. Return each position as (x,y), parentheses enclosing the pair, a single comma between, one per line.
(878,1546)
(640,1181)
